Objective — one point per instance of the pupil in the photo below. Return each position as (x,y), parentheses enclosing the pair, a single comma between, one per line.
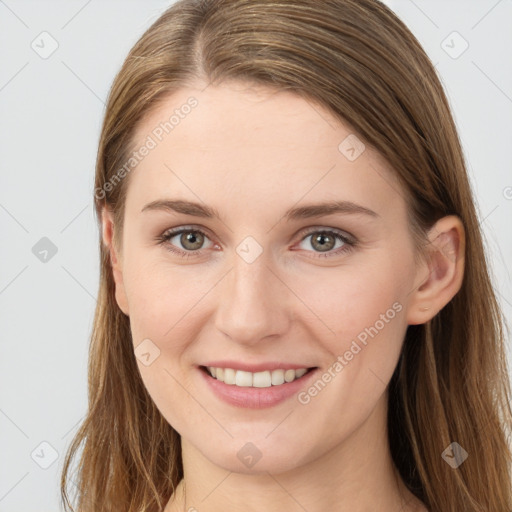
(191,238)
(324,241)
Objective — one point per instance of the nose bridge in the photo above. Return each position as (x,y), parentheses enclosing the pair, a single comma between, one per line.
(251,303)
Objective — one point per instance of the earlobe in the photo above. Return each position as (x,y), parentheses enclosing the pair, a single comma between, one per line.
(442,273)
(107,230)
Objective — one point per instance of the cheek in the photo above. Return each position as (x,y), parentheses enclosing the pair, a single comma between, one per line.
(164,303)
(348,300)
(171,305)
(364,307)
(160,297)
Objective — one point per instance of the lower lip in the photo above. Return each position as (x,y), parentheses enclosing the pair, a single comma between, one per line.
(255,398)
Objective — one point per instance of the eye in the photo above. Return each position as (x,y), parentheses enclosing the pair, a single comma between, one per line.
(325,241)
(191,241)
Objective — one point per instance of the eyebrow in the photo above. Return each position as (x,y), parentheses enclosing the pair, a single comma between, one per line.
(302,212)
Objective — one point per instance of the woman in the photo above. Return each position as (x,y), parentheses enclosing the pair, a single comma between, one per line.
(295,310)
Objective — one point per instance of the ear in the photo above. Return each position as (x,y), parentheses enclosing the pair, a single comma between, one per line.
(440,277)
(107,224)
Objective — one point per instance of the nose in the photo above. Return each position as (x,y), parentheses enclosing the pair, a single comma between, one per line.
(254,302)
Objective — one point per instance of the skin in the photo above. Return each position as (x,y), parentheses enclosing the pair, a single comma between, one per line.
(252,154)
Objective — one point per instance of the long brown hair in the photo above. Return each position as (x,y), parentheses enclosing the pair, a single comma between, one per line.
(357,59)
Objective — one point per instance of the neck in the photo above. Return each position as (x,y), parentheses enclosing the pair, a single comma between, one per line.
(354,476)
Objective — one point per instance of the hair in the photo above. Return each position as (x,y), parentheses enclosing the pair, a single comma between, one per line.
(357,59)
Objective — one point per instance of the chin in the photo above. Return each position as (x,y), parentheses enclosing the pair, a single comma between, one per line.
(255,457)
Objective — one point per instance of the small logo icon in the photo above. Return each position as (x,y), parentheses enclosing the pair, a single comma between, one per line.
(249,454)
(447,247)
(351,147)
(44,250)
(454,455)
(74,479)
(44,45)
(44,455)
(454,45)
(249,249)
(146,352)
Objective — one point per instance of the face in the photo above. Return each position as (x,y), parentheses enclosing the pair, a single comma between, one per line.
(271,283)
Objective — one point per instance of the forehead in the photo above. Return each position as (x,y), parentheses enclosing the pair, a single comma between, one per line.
(224,116)
(257,144)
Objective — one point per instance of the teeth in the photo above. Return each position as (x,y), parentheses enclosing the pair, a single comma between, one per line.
(243,379)
(263,379)
(277,377)
(229,376)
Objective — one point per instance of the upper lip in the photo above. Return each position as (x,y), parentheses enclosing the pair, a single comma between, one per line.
(259,367)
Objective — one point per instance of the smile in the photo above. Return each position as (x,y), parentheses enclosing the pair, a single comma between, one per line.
(255,390)
(263,379)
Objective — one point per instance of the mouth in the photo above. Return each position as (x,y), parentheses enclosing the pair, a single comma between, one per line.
(261,379)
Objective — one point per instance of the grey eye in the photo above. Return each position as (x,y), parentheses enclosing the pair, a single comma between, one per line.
(323,241)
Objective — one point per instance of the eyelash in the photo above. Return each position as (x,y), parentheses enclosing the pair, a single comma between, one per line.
(349,244)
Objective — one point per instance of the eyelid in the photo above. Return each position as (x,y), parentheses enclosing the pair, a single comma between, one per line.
(302,232)
(315,229)
(172,232)
(350,241)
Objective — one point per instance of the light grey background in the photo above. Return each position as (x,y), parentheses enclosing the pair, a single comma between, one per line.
(50,115)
